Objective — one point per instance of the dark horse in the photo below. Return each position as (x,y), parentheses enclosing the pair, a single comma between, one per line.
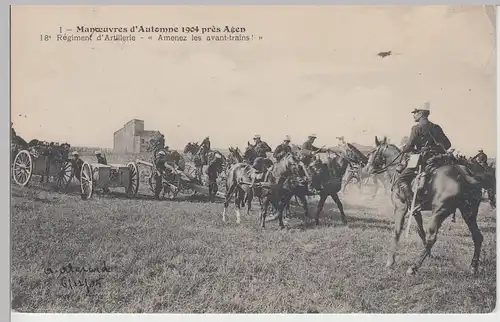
(333,171)
(281,182)
(486,175)
(214,161)
(249,157)
(450,187)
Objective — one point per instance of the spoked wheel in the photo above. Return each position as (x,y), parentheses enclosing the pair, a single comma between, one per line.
(65,175)
(22,169)
(86,181)
(133,187)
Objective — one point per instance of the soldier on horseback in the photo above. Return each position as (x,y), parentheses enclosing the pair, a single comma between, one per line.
(315,166)
(204,149)
(283,149)
(428,141)
(481,158)
(260,164)
(157,143)
(261,147)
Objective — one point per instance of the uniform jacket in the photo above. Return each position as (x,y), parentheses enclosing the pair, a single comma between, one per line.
(426,134)
(282,150)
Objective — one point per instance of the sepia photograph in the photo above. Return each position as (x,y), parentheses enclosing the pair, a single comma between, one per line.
(253,159)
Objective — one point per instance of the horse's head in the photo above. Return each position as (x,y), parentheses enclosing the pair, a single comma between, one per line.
(191,147)
(384,154)
(235,155)
(250,153)
(290,163)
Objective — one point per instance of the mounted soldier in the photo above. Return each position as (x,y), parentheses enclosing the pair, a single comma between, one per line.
(314,165)
(260,163)
(204,148)
(428,141)
(261,147)
(481,158)
(282,149)
(157,143)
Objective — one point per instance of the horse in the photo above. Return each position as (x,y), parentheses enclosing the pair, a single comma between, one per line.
(356,171)
(451,187)
(334,170)
(213,160)
(235,157)
(281,182)
(486,175)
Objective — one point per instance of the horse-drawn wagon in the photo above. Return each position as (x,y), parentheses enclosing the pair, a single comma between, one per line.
(175,181)
(42,161)
(103,176)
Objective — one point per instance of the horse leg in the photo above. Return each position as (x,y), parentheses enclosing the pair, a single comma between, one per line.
(237,204)
(305,206)
(420,228)
(321,203)
(263,211)
(227,199)
(281,207)
(470,218)
(336,198)
(249,198)
(453,216)
(349,179)
(376,183)
(431,234)
(492,197)
(400,210)
(288,213)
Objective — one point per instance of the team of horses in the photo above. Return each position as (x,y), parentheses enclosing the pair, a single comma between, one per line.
(452,186)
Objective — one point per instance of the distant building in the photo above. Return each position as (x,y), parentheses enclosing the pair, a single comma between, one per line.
(132,138)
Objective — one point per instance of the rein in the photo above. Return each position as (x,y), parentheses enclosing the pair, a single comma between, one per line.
(400,154)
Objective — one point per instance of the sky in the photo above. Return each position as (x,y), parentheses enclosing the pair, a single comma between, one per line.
(315,70)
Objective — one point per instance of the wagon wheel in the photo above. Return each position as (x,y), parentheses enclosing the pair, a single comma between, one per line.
(133,187)
(22,169)
(86,181)
(65,175)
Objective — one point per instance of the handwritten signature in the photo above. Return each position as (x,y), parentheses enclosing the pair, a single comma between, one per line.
(66,269)
(67,281)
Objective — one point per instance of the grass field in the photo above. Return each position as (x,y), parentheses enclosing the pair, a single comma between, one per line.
(178,256)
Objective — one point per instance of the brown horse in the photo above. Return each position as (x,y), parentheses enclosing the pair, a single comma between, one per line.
(274,189)
(486,175)
(450,187)
(335,168)
(283,180)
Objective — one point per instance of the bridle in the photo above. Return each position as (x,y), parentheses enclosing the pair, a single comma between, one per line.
(379,154)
